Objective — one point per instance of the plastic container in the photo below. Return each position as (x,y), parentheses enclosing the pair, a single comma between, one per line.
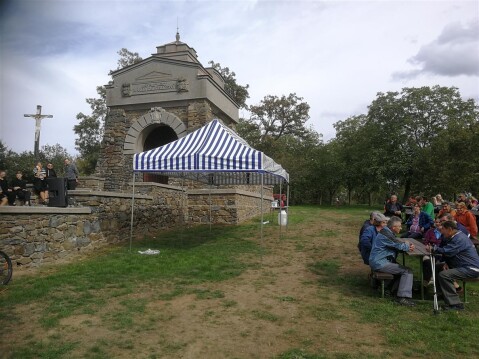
(282,218)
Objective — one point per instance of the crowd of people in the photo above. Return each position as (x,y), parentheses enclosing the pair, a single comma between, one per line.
(17,192)
(447,229)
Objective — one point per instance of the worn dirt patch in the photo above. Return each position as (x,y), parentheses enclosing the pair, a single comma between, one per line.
(278,306)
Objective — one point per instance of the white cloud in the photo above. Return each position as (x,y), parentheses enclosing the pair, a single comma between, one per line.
(336,55)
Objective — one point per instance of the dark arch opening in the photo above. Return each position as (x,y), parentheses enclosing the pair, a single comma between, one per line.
(160,136)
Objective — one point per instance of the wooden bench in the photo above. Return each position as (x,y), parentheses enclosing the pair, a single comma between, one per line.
(381,276)
(464,281)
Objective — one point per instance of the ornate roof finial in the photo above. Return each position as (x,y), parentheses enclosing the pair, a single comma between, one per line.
(177,32)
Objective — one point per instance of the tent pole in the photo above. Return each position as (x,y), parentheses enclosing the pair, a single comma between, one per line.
(209,200)
(132,208)
(182,219)
(262,214)
(280,207)
(287,205)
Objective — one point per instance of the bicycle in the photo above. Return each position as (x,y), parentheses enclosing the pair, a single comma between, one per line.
(6,268)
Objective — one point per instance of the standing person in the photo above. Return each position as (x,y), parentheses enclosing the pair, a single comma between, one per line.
(393,207)
(6,193)
(19,186)
(466,218)
(50,172)
(383,258)
(71,173)
(462,262)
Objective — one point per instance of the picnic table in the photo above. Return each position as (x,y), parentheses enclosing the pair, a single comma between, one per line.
(419,252)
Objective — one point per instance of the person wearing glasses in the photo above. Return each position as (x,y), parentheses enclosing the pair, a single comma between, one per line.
(384,251)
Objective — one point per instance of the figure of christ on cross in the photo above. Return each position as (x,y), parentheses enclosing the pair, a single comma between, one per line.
(38,120)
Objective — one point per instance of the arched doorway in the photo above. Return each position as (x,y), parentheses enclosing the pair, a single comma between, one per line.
(160,135)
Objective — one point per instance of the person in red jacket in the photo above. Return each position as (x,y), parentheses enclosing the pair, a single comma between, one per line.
(466,218)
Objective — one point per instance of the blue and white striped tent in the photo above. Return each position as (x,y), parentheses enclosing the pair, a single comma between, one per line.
(213,154)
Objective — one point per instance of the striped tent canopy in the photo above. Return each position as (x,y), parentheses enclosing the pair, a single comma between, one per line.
(213,154)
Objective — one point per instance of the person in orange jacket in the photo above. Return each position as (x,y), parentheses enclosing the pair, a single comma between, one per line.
(466,218)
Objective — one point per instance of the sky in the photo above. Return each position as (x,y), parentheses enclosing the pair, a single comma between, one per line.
(336,55)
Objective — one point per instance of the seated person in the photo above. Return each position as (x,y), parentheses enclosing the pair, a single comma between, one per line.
(466,218)
(418,224)
(367,223)
(19,186)
(461,262)
(383,258)
(450,217)
(446,208)
(367,237)
(6,194)
(432,237)
(437,200)
(426,206)
(393,207)
(40,184)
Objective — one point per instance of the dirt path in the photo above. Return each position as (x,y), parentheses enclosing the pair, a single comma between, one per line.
(279,305)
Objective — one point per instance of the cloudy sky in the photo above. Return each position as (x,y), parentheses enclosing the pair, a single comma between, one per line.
(337,55)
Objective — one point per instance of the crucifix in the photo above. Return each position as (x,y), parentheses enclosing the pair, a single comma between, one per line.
(38,120)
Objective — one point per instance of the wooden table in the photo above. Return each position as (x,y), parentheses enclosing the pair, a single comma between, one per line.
(419,251)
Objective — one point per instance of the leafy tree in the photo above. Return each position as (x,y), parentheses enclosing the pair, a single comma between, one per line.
(239,93)
(90,127)
(279,116)
(127,58)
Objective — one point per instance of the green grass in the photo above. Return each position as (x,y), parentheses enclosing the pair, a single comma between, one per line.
(115,289)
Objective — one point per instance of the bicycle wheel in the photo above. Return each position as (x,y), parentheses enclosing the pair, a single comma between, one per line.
(5,268)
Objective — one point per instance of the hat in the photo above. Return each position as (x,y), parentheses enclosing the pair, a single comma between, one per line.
(379,217)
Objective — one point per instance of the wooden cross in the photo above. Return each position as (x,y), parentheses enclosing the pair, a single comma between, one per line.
(38,120)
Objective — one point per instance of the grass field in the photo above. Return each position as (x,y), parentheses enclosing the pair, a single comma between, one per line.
(227,293)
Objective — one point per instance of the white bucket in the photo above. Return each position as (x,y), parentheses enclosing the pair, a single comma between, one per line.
(282,218)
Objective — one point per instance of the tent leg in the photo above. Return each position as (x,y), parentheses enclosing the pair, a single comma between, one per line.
(287,206)
(262,214)
(132,209)
(209,200)
(280,207)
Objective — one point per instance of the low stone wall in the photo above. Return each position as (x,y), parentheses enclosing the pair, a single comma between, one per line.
(36,235)
(229,206)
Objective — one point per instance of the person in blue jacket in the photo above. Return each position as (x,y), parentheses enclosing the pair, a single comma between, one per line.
(367,236)
(462,262)
(383,258)
(418,223)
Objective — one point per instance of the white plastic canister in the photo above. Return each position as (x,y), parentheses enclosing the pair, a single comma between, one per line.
(282,218)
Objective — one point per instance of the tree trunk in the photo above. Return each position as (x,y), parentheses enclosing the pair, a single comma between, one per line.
(407,190)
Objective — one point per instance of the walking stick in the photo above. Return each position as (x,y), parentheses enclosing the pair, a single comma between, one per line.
(433,267)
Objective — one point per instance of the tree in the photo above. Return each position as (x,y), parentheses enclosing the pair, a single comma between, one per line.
(90,127)
(277,127)
(279,116)
(406,126)
(239,93)
(127,58)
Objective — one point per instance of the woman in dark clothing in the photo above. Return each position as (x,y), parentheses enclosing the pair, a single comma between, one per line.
(19,186)
(39,184)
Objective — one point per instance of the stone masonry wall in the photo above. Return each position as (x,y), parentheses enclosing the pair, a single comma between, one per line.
(36,235)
